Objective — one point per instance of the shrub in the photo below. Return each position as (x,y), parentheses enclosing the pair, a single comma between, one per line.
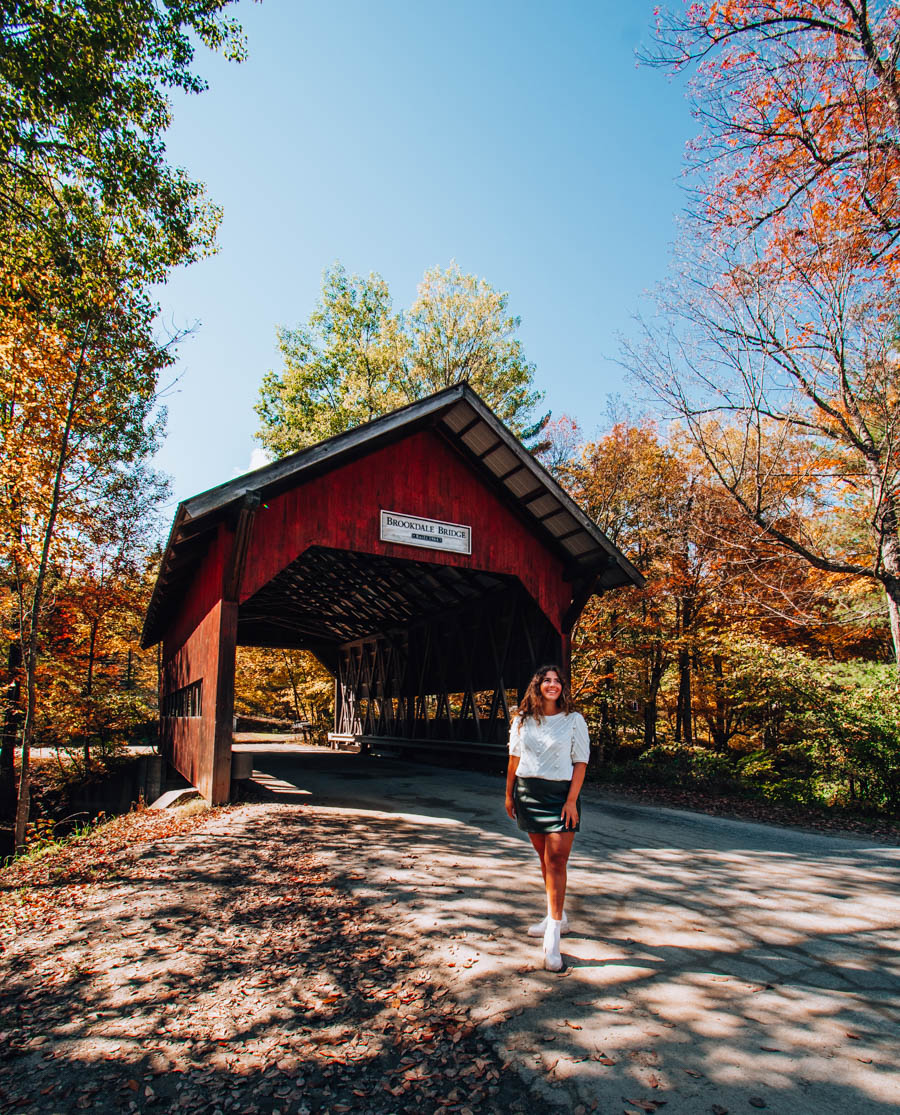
(685,767)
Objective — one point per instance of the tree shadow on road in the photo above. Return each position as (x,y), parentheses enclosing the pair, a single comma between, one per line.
(702,958)
(226,971)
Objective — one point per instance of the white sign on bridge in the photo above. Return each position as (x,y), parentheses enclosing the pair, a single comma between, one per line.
(412,530)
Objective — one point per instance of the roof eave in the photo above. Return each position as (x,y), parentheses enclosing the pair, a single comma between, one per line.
(630,573)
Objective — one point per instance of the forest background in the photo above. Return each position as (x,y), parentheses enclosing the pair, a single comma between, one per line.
(759,497)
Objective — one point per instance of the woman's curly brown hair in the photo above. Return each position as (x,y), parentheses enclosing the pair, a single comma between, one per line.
(532,703)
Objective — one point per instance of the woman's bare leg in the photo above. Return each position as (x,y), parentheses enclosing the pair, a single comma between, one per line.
(555,857)
(539,843)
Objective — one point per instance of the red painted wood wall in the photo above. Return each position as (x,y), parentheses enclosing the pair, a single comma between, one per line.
(200,646)
(200,747)
(420,475)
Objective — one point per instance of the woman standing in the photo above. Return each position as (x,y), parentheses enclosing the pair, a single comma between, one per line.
(548,756)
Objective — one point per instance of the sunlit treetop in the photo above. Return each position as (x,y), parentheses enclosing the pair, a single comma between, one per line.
(83,110)
(800,106)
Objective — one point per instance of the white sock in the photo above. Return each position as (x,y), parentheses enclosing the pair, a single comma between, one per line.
(552,958)
(537,930)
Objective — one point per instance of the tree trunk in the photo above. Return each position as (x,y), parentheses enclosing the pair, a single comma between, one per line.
(88,690)
(651,709)
(892,592)
(92,649)
(684,729)
(23,803)
(720,715)
(608,726)
(290,672)
(651,715)
(12,719)
(889,552)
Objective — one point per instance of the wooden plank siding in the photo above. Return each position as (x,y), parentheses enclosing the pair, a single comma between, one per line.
(419,475)
(199,747)
(203,592)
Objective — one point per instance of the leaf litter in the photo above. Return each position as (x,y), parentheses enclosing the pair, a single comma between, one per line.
(210,963)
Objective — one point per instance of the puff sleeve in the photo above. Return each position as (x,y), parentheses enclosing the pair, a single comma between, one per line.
(515,737)
(581,744)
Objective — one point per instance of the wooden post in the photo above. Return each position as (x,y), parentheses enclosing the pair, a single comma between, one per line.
(223,730)
(223,721)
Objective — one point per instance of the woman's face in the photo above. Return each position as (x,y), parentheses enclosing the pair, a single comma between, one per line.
(551,686)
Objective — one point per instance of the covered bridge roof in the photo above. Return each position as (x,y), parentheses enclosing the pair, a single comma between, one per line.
(460,416)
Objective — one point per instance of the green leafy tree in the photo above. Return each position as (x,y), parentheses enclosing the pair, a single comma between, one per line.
(811,730)
(340,369)
(356,359)
(83,112)
(459,329)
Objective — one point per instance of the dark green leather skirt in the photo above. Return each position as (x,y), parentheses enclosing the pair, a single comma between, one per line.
(539,803)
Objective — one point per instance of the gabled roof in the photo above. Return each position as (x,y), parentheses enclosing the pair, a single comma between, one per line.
(461,416)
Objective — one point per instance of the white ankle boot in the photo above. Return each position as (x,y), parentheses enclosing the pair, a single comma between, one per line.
(539,927)
(552,959)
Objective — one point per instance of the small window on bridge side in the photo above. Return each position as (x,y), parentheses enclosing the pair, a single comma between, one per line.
(186,702)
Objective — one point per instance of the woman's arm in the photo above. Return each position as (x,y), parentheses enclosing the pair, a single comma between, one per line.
(510,780)
(570,809)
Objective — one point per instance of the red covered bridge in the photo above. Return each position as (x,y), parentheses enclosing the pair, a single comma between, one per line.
(426,559)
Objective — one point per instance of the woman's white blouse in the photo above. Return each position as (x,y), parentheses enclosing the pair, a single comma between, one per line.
(548,749)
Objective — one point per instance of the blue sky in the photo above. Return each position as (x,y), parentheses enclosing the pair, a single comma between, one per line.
(519,139)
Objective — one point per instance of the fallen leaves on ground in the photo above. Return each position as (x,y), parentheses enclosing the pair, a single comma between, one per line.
(209,963)
(43,887)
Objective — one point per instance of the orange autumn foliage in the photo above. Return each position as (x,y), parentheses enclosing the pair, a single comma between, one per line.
(800,106)
(651,664)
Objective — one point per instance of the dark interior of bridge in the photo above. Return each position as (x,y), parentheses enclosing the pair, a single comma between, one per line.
(418,650)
